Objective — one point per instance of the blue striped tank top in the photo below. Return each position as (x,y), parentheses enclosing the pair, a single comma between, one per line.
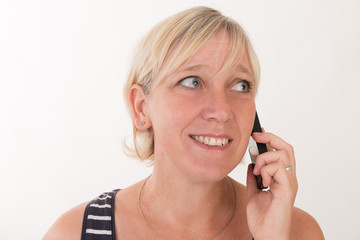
(98,221)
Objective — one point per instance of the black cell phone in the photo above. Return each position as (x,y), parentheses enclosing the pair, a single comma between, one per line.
(261,149)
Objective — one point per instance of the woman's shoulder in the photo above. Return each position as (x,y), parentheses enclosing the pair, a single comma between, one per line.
(304,226)
(68,225)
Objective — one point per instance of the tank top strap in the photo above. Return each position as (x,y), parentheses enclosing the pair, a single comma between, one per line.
(98,221)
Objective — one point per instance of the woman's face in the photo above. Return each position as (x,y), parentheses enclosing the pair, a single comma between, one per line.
(202,121)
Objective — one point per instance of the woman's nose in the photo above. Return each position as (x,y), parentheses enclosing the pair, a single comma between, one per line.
(217,107)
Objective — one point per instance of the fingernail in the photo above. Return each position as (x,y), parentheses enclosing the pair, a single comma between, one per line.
(253,151)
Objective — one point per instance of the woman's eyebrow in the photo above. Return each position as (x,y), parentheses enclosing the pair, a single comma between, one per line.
(194,67)
(242,68)
(239,68)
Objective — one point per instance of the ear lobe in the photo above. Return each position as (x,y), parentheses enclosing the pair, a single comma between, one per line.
(138,102)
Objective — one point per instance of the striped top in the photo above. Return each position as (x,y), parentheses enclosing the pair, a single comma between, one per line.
(98,222)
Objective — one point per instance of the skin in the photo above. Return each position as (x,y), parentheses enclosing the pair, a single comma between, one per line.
(189,194)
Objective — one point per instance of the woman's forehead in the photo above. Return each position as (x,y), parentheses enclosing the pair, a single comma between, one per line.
(218,52)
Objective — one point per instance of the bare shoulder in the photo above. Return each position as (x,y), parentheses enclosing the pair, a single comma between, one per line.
(304,226)
(68,225)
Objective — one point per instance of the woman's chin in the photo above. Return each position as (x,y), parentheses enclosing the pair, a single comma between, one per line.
(209,173)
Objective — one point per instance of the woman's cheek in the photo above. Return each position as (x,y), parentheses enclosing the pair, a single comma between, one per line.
(181,109)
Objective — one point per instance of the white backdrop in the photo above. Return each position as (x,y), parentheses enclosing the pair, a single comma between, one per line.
(62,117)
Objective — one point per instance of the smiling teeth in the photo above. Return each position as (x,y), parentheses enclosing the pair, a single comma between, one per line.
(211,141)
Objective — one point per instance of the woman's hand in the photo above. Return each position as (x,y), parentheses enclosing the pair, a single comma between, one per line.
(269,212)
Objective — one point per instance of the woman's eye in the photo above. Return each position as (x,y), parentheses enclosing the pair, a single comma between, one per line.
(190,82)
(242,86)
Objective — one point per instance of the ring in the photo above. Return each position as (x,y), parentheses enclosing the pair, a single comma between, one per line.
(288,167)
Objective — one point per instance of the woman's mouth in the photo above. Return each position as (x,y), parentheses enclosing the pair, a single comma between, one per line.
(211,141)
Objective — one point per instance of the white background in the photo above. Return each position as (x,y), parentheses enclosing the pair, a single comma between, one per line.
(62,117)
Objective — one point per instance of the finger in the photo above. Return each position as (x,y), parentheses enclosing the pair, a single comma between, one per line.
(273,140)
(275,172)
(251,185)
(279,180)
(270,149)
(270,157)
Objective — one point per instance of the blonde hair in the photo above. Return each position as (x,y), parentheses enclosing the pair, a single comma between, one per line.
(175,39)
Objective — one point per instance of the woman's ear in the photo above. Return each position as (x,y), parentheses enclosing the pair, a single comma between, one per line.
(138,103)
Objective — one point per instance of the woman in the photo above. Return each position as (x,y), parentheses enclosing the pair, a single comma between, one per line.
(191,92)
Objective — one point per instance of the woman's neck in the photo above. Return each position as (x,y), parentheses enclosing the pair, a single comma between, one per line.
(178,201)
